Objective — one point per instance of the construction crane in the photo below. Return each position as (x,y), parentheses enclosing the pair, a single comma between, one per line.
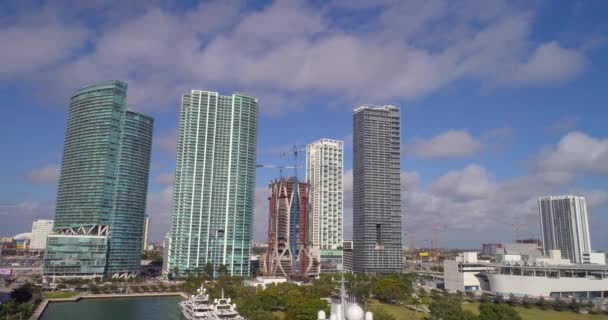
(281,168)
(436,229)
(295,151)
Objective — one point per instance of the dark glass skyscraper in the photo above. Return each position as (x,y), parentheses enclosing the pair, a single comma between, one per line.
(377,190)
(103,183)
(214,183)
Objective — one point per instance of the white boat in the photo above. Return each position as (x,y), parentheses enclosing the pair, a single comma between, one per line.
(199,307)
(223,309)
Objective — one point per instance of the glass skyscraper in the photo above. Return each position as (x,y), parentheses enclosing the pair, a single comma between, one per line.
(565,226)
(103,183)
(377,236)
(214,183)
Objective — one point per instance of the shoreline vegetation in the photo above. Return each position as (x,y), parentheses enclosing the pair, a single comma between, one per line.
(390,297)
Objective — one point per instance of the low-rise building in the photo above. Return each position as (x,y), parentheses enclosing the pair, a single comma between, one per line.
(76,253)
(594,258)
(263,282)
(461,274)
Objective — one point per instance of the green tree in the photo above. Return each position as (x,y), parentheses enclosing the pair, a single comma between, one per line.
(574,306)
(360,290)
(541,303)
(222,270)
(176,272)
(390,290)
(559,305)
(208,270)
(302,305)
(381,314)
(446,309)
(526,302)
(491,311)
(22,294)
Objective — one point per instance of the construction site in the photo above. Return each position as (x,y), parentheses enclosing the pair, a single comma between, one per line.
(289,253)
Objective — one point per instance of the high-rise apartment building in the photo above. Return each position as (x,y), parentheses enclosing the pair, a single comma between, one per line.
(324,171)
(40,230)
(565,226)
(377,235)
(144,243)
(214,183)
(102,187)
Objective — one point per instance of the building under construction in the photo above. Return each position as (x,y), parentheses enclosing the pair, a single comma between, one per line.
(288,253)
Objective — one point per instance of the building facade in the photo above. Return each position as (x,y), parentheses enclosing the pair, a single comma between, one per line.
(289,253)
(144,243)
(214,183)
(324,172)
(104,176)
(565,226)
(40,230)
(377,234)
(324,168)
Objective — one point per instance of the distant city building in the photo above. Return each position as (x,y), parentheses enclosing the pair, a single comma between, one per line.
(548,276)
(377,190)
(491,249)
(461,274)
(324,171)
(594,258)
(214,183)
(102,187)
(288,253)
(551,276)
(166,245)
(144,243)
(538,242)
(347,255)
(40,230)
(565,226)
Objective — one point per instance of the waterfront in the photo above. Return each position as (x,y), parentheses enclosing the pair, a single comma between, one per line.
(153,308)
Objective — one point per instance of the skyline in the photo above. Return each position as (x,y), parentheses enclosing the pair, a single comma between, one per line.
(483,149)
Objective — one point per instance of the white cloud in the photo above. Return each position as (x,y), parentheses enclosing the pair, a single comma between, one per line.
(162,52)
(472,182)
(541,67)
(576,153)
(450,144)
(35,46)
(46,175)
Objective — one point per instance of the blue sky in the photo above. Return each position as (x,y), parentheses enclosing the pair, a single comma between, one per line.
(502,102)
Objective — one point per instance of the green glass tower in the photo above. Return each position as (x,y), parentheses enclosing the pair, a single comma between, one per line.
(214,183)
(103,184)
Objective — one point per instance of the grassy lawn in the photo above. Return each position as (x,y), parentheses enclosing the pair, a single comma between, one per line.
(400,313)
(538,314)
(59,294)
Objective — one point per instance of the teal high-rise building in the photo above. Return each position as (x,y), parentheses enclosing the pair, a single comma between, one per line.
(102,187)
(214,183)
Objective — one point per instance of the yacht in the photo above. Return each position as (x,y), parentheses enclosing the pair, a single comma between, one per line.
(223,309)
(198,307)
